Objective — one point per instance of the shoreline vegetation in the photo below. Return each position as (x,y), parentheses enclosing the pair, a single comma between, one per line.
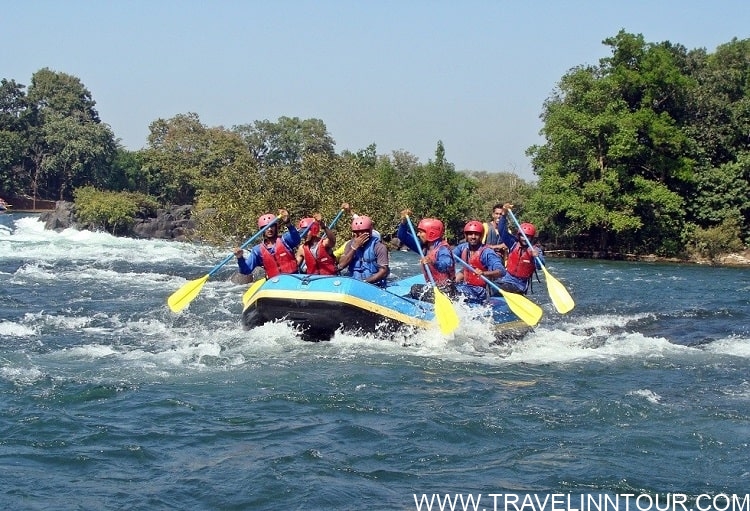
(645,152)
(175,224)
(733,259)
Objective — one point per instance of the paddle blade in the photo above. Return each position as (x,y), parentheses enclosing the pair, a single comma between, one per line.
(528,312)
(183,296)
(445,313)
(252,289)
(561,299)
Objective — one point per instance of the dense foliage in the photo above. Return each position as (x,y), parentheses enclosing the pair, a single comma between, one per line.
(114,212)
(51,138)
(646,152)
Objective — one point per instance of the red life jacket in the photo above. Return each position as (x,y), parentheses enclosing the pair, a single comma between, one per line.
(318,260)
(281,261)
(520,262)
(440,278)
(475,261)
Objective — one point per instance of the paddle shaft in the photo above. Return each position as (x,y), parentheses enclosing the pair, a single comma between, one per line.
(515,221)
(333,222)
(418,242)
(243,246)
(529,312)
(561,299)
(470,267)
(444,311)
(336,219)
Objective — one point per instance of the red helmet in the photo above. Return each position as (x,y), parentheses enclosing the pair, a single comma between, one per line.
(528,229)
(314,226)
(474,226)
(264,220)
(432,227)
(362,223)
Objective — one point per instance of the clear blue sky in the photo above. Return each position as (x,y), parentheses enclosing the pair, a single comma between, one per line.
(401,74)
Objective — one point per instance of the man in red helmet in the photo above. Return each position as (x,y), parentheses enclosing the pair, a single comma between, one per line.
(365,257)
(480,256)
(523,260)
(315,254)
(348,209)
(275,253)
(437,254)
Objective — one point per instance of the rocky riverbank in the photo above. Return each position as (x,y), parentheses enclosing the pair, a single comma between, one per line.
(175,223)
(739,259)
(733,259)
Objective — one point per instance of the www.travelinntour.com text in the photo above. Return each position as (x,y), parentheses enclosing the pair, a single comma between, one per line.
(583,502)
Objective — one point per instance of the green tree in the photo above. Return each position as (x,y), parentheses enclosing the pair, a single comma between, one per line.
(720,117)
(720,124)
(287,141)
(14,125)
(242,192)
(437,190)
(69,146)
(78,153)
(723,194)
(128,172)
(183,156)
(173,155)
(617,163)
(497,188)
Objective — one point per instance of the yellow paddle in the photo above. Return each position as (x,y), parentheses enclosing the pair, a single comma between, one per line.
(561,299)
(183,296)
(252,289)
(529,312)
(444,311)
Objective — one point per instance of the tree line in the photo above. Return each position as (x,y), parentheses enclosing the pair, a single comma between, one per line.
(646,152)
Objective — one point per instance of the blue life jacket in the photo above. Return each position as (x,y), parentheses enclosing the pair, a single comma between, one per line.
(364,263)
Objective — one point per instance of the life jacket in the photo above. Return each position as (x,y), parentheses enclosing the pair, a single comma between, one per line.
(440,278)
(318,260)
(520,262)
(364,262)
(281,261)
(491,234)
(476,262)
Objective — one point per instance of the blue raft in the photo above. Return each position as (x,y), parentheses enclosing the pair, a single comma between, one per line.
(319,305)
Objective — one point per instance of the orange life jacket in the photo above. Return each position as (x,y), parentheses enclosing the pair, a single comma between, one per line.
(318,260)
(440,278)
(520,262)
(281,261)
(476,262)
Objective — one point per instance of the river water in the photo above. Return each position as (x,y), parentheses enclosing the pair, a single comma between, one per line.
(108,400)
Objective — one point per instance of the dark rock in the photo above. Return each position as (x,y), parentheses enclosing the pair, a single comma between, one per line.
(60,218)
(175,223)
(238,278)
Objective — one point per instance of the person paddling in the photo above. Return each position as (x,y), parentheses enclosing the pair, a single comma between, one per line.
(482,258)
(437,255)
(315,254)
(523,260)
(275,253)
